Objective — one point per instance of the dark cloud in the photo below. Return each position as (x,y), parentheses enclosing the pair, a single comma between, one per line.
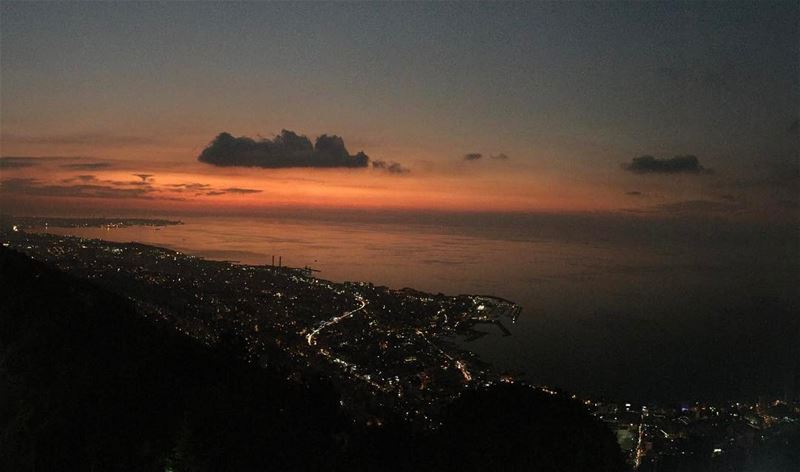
(476,156)
(206,189)
(18,162)
(91,186)
(125,183)
(391,167)
(677,165)
(94,179)
(80,178)
(192,186)
(230,190)
(241,190)
(87,165)
(634,193)
(286,150)
(794,127)
(144,177)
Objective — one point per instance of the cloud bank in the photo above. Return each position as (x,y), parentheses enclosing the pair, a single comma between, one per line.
(90,186)
(16,162)
(677,165)
(288,149)
(96,189)
(240,190)
(87,166)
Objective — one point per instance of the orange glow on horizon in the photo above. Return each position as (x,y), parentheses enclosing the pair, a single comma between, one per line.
(170,186)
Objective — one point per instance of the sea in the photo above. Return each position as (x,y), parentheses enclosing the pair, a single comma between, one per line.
(616,307)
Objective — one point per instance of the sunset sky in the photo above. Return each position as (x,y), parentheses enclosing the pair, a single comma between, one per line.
(489,107)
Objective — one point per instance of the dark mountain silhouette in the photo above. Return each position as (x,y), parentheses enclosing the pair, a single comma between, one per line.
(88,385)
(525,429)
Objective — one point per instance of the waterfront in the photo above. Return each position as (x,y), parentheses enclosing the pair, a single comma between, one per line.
(601,298)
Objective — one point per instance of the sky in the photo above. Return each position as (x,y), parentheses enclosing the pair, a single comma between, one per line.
(679,109)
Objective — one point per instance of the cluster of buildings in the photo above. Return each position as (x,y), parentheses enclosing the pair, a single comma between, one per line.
(697,436)
(387,350)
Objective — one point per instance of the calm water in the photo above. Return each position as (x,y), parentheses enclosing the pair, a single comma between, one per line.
(620,307)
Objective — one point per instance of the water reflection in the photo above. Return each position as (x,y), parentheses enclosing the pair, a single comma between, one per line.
(611,308)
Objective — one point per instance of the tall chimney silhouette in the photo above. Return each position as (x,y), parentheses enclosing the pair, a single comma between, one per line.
(280,260)
(273,261)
